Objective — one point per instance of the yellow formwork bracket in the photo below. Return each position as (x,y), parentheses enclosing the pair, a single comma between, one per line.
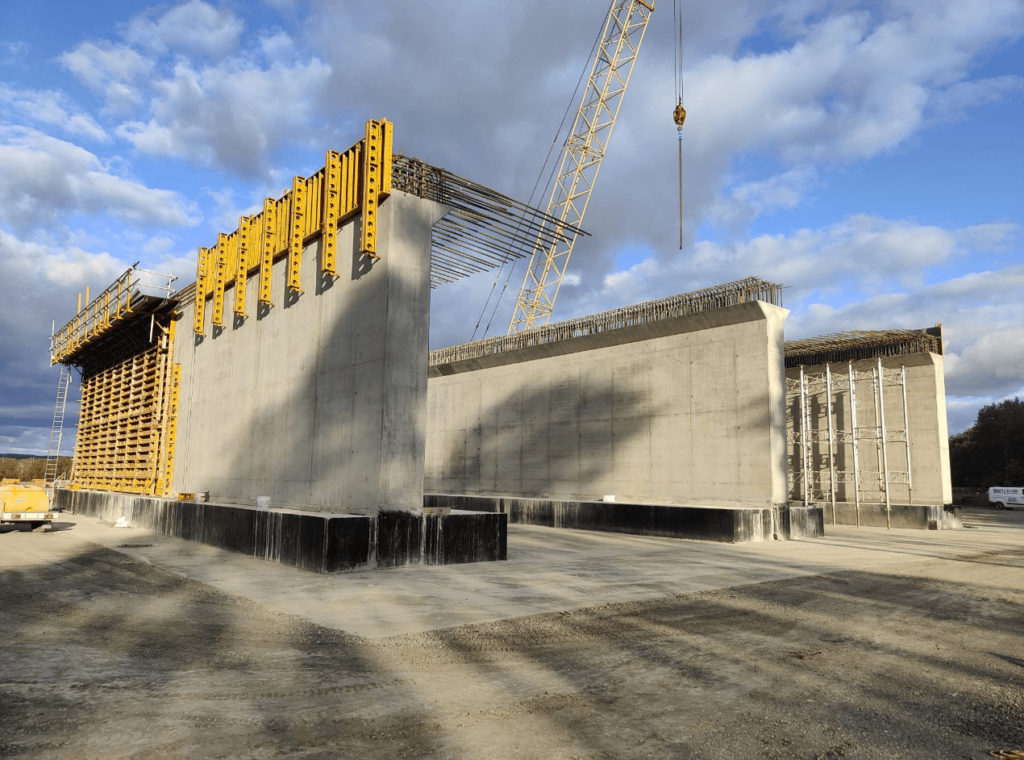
(296,233)
(376,182)
(331,212)
(242,265)
(219,278)
(266,250)
(202,279)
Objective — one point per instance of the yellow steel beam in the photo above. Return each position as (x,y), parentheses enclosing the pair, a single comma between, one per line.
(267,249)
(331,212)
(296,230)
(202,280)
(376,165)
(242,266)
(219,278)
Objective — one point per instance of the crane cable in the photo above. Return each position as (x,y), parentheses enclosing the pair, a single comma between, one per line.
(679,113)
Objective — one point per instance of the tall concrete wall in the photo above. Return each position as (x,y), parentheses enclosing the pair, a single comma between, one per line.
(318,402)
(688,410)
(928,434)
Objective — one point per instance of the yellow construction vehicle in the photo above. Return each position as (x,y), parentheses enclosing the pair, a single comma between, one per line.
(25,506)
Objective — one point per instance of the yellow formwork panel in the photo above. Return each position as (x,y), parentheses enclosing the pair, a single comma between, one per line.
(127,421)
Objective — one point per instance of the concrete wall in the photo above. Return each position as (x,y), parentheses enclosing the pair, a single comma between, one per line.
(688,410)
(929,434)
(319,401)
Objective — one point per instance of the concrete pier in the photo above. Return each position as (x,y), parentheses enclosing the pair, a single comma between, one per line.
(319,402)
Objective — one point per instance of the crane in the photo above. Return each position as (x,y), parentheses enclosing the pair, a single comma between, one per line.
(581,159)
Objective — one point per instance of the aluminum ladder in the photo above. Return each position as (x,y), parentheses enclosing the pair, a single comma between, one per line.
(57,429)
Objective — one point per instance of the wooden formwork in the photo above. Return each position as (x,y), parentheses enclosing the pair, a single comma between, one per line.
(127,421)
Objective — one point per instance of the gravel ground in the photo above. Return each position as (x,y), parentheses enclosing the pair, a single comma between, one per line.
(105,655)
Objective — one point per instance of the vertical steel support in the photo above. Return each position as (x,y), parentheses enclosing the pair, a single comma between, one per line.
(372,183)
(906,433)
(267,249)
(885,452)
(831,440)
(804,437)
(856,459)
(296,230)
(331,212)
(202,282)
(219,278)
(242,265)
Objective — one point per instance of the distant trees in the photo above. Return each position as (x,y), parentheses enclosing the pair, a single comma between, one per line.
(991,453)
(28,468)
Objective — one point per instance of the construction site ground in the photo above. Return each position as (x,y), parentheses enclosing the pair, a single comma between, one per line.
(119,643)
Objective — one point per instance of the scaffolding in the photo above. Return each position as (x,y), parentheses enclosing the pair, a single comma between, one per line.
(122,342)
(836,421)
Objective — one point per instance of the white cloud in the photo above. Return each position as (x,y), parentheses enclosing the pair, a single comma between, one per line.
(52,108)
(863,273)
(749,200)
(43,178)
(13,51)
(861,254)
(193,27)
(115,71)
(186,89)
(40,285)
(231,115)
(851,88)
(955,101)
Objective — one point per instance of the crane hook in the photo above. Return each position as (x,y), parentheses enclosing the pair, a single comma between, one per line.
(679,116)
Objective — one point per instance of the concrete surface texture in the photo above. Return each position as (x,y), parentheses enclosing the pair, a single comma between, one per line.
(319,401)
(928,434)
(547,571)
(692,417)
(874,645)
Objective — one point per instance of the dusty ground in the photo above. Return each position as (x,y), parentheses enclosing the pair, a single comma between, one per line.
(103,655)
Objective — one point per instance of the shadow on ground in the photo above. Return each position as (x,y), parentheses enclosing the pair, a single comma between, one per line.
(106,655)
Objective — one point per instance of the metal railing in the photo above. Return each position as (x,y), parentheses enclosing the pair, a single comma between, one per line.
(102,314)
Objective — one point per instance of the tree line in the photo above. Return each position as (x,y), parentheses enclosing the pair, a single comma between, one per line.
(30,468)
(991,452)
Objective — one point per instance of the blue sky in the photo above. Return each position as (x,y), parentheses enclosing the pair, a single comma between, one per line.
(865,154)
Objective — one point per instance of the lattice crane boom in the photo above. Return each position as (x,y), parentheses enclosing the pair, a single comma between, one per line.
(582,156)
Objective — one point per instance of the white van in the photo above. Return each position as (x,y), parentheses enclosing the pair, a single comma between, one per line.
(1003,498)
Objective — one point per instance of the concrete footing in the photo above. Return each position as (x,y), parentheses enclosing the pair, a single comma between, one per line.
(727,524)
(919,516)
(316,541)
